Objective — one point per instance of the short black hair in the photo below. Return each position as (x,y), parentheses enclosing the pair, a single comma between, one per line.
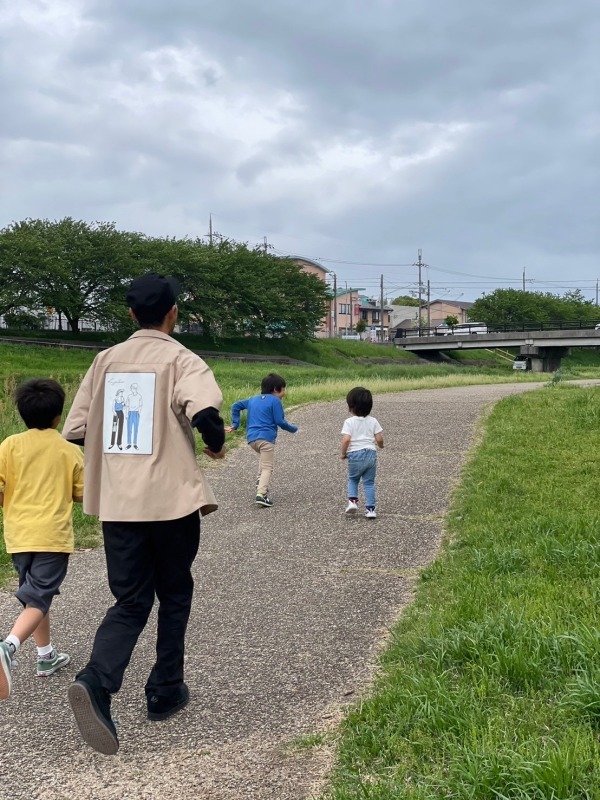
(40,401)
(360,401)
(272,383)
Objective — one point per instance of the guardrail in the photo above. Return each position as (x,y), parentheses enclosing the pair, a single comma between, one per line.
(474,328)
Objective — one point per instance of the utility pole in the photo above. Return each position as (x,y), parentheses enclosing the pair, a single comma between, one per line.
(210,230)
(428,307)
(420,266)
(381,318)
(523,278)
(335,304)
(351,314)
(596,291)
(265,244)
(346,306)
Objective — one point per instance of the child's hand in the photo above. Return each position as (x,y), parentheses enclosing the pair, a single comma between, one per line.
(212,454)
(229,428)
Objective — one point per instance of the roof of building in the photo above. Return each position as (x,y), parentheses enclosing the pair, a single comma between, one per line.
(375,306)
(457,303)
(341,292)
(309,261)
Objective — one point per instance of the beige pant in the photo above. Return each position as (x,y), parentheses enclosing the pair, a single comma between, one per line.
(266,454)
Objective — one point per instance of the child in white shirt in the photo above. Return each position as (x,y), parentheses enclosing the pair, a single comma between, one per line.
(361,436)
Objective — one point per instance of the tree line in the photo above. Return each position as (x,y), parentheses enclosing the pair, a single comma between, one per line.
(81,271)
(513,306)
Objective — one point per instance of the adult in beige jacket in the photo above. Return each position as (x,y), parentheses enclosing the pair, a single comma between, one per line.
(149,497)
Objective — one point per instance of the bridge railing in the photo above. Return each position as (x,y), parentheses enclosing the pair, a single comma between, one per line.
(475,328)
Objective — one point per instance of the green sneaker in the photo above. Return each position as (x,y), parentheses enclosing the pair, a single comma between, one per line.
(48,666)
(263,500)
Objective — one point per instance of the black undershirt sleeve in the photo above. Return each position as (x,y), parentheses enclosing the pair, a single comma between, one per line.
(211,427)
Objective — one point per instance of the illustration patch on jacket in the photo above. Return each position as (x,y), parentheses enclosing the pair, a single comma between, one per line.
(128,412)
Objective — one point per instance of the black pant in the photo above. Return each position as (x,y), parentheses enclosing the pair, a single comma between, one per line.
(145,559)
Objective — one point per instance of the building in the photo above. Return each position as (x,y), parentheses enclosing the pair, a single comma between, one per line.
(371,314)
(432,316)
(327,327)
(440,309)
(347,307)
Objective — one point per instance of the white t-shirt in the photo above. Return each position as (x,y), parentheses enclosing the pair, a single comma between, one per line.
(362,432)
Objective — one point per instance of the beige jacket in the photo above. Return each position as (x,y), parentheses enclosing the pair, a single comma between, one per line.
(134,410)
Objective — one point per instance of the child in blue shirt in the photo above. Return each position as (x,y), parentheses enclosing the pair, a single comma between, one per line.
(264,415)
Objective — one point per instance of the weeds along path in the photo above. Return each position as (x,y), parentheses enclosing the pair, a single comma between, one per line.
(292,605)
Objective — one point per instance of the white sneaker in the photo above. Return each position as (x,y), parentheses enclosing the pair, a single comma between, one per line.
(5,668)
(370,514)
(351,508)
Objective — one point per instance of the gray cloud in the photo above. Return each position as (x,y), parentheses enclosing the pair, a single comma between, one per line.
(340,130)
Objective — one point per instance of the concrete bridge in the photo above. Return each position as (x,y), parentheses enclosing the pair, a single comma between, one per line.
(544,349)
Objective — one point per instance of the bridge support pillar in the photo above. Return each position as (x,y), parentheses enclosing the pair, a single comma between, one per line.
(544,359)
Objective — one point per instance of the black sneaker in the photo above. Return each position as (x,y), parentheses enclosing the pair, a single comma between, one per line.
(263,500)
(90,704)
(160,708)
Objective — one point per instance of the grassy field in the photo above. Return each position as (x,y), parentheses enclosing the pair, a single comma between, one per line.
(490,686)
(334,372)
(337,366)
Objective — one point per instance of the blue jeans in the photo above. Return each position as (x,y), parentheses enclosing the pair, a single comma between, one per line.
(133,424)
(362,464)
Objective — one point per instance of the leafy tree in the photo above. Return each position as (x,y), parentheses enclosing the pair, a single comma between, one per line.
(78,269)
(512,306)
(83,270)
(405,300)
(451,320)
(360,326)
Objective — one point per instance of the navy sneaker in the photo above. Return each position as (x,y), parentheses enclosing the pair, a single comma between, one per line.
(263,500)
(160,708)
(90,704)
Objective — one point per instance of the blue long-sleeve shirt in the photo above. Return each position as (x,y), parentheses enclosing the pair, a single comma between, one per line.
(265,415)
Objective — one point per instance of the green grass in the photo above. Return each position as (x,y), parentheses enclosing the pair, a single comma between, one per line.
(490,687)
(306,384)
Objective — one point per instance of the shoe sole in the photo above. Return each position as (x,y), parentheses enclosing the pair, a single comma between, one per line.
(5,680)
(46,673)
(264,505)
(166,714)
(92,727)
(352,511)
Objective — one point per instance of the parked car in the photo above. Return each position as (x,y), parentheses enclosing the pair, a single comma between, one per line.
(471,327)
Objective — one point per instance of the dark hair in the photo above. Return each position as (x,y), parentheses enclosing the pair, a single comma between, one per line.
(149,318)
(40,401)
(272,383)
(360,401)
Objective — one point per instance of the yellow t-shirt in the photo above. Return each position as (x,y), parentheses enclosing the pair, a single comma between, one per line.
(40,473)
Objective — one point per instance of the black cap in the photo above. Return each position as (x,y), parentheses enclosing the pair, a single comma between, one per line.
(152,296)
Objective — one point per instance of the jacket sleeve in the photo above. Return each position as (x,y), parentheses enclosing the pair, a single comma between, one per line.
(236,410)
(279,417)
(75,426)
(195,386)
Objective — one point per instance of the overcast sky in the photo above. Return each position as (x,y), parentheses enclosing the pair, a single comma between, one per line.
(343,130)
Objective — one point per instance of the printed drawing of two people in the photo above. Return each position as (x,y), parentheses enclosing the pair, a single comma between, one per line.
(132,406)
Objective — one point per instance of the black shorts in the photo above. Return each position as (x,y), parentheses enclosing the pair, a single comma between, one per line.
(40,577)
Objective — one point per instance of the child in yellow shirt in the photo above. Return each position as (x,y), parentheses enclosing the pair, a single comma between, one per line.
(41,475)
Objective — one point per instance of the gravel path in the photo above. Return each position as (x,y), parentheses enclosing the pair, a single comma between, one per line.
(292,604)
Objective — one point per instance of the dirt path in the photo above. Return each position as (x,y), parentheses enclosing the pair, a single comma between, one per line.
(291,605)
